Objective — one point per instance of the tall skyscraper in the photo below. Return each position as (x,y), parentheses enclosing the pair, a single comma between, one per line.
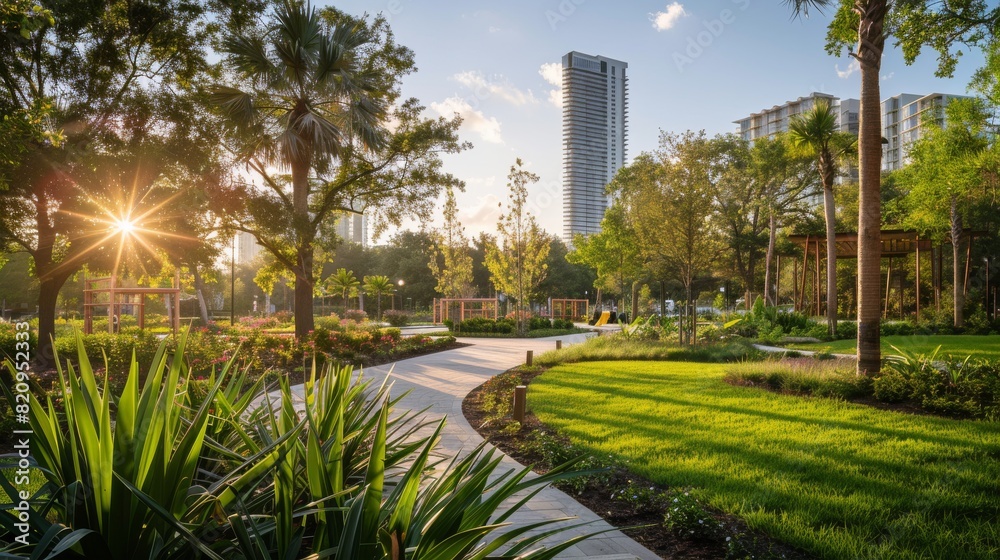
(595,112)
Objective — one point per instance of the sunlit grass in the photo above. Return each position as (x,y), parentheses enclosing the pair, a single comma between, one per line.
(957,345)
(837,479)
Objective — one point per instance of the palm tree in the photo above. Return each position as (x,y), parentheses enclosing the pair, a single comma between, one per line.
(816,131)
(306,101)
(344,282)
(378,286)
(871,43)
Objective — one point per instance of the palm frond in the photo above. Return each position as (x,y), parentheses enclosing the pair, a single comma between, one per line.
(236,105)
(801,7)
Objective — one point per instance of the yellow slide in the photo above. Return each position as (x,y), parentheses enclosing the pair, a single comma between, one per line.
(604,319)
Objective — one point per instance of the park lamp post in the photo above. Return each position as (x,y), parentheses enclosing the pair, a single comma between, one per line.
(400,283)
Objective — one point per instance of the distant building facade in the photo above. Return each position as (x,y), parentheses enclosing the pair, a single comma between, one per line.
(353,228)
(770,122)
(904,120)
(595,136)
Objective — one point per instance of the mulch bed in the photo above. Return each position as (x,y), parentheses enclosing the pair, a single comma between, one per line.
(645,527)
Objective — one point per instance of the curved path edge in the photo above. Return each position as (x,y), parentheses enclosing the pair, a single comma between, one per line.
(439,383)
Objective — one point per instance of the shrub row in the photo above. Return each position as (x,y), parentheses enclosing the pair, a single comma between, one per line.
(964,389)
(505,325)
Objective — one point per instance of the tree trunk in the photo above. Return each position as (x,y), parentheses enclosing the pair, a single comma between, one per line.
(199,289)
(635,301)
(692,314)
(871,41)
(300,221)
(956,250)
(831,260)
(769,299)
(48,294)
(304,294)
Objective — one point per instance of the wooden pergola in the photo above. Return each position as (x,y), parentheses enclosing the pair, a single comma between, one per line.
(105,292)
(466,308)
(895,244)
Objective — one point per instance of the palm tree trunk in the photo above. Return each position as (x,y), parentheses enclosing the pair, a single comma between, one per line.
(300,221)
(956,251)
(831,261)
(871,41)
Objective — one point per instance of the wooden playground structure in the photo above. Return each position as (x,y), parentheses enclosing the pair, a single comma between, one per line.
(569,309)
(460,309)
(105,293)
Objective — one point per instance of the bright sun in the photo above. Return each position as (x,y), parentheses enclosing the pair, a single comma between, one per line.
(125,227)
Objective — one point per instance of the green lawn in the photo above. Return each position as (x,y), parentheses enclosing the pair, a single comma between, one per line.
(839,480)
(957,345)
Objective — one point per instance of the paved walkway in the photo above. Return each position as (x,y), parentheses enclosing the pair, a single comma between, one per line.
(439,382)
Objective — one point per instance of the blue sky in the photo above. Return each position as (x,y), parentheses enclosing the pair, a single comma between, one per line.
(692,66)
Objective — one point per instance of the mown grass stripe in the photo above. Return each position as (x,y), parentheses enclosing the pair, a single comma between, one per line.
(840,480)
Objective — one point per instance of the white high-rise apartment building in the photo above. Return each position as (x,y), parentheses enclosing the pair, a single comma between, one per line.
(903,119)
(595,112)
(770,122)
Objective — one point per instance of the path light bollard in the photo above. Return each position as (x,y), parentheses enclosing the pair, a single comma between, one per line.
(520,396)
(528,359)
(558,345)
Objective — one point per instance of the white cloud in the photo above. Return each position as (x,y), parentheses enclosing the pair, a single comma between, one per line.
(852,67)
(551,72)
(664,20)
(484,88)
(488,128)
(484,216)
(887,77)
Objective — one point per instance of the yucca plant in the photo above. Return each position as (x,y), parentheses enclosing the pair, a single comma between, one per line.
(332,474)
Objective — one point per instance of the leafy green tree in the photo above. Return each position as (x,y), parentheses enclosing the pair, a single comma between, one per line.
(378,286)
(517,265)
(454,273)
(865,25)
(102,99)
(816,131)
(947,180)
(311,93)
(480,274)
(613,253)
(670,197)
(405,258)
(563,278)
(344,282)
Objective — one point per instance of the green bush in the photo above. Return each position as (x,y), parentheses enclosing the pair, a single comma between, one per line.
(396,317)
(329,322)
(535,323)
(891,387)
(486,325)
(8,340)
(356,315)
(968,388)
(562,324)
(199,469)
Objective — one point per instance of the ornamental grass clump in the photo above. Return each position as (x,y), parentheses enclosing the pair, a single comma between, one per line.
(215,468)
